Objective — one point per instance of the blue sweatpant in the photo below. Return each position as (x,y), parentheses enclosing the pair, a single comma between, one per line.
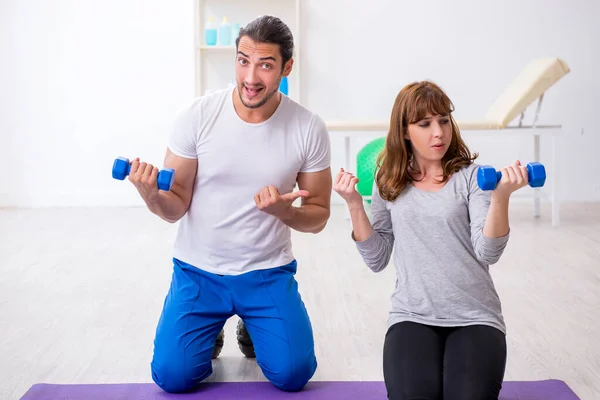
(198,304)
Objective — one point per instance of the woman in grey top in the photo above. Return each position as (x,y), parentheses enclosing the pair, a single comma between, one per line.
(446,335)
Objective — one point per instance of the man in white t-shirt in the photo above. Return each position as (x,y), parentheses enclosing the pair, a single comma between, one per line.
(238,155)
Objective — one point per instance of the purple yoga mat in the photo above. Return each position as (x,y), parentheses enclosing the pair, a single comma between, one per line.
(315,390)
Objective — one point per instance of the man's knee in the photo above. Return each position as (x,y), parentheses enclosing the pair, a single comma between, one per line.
(292,375)
(171,376)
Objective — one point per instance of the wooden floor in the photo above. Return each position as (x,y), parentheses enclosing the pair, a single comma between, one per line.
(81,291)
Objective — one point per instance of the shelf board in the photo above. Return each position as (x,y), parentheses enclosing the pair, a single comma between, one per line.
(216,48)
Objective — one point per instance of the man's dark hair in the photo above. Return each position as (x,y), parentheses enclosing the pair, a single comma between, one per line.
(269,29)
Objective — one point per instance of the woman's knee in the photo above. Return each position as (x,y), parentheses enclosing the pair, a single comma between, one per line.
(412,362)
(415,387)
(482,389)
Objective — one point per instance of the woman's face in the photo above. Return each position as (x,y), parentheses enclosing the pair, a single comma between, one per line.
(430,137)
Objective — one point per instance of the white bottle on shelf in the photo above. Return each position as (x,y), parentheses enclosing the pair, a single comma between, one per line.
(225,33)
(210,32)
(235,31)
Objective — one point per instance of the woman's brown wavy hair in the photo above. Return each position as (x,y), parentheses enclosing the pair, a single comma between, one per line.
(412,104)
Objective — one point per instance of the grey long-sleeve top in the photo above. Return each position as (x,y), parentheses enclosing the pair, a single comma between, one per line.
(439,252)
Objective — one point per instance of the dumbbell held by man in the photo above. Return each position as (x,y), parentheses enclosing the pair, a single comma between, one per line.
(488,177)
(122,167)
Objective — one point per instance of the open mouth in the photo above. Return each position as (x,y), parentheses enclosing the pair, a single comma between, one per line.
(252,91)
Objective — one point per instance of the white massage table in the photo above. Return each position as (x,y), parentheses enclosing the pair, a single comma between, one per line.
(530,85)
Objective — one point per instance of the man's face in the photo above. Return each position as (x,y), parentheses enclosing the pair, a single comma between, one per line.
(258,71)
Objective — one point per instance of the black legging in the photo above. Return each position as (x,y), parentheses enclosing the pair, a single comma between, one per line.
(426,362)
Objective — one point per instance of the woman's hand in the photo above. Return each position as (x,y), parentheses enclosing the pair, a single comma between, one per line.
(345,186)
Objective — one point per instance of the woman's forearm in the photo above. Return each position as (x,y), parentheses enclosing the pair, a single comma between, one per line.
(361,226)
(496,223)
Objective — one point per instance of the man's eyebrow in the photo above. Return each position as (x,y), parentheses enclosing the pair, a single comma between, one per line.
(261,59)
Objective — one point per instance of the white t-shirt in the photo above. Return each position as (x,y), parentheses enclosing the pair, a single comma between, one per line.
(223,231)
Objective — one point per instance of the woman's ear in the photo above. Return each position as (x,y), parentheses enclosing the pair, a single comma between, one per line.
(406,132)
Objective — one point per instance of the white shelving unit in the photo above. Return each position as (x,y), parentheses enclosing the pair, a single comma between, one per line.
(215,64)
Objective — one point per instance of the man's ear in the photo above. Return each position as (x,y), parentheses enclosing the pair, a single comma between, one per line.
(287,69)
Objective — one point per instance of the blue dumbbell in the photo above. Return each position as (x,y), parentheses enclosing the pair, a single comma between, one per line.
(122,167)
(488,177)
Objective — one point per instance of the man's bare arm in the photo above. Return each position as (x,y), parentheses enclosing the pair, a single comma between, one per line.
(171,205)
(314,211)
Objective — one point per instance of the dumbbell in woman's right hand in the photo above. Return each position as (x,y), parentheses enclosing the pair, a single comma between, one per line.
(145,177)
(488,177)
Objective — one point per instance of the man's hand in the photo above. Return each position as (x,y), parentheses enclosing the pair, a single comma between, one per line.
(270,201)
(169,205)
(144,176)
(312,215)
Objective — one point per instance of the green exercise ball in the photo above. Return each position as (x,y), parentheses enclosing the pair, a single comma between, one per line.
(366,163)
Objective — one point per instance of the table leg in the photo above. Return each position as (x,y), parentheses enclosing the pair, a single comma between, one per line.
(536,191)
(555,192)
(347,153)
(347,166)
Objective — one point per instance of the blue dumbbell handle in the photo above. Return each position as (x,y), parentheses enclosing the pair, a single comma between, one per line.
(499,174)
(535,172)
(165,176)
(128,169)
(128,166)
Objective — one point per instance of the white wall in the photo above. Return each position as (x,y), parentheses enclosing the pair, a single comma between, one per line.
(473,49)
(88,81)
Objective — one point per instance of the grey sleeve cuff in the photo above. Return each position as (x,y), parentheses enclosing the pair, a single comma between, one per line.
(489,249)
(375,250)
